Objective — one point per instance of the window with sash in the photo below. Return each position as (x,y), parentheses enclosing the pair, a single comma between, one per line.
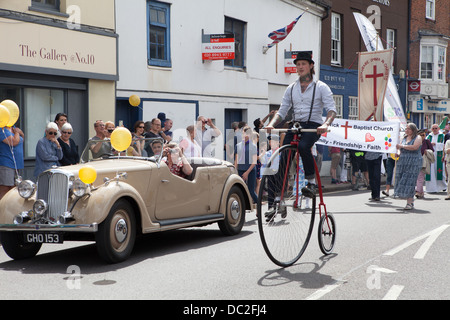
(335,39)
(353,108)
(159,34)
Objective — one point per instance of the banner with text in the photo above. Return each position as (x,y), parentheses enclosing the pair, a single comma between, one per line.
(218,46)
(374,136)
(373,74)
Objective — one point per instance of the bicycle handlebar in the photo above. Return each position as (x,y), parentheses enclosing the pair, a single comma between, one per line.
(298,130)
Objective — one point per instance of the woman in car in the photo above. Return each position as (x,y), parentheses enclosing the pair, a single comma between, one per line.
(176,161)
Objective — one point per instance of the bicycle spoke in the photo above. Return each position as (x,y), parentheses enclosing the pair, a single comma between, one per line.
(286,231)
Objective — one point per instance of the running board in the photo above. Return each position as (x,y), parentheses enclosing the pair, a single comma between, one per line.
(191,220)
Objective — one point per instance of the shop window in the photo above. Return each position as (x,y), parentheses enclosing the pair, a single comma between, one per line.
(338,100)
(353,113)
(159,34)
(46,4)
(238,28)
(40,107)
(428,120)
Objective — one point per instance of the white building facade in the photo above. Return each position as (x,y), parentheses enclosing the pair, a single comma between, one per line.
(160,59)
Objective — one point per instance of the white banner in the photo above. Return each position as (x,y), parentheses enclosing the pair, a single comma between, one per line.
(374,136)
(393,110)
(373,75)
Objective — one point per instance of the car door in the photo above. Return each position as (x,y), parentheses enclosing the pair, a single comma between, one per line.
(179,197)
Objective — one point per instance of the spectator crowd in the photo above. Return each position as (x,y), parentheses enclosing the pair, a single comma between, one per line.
(422,161)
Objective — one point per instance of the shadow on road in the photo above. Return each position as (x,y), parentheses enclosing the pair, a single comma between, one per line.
(149,246)
(306,274)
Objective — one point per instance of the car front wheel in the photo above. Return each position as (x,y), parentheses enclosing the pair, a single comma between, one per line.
(116,235)
(235,213)
(15,247)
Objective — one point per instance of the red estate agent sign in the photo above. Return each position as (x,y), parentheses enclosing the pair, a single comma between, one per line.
(289,66)
(218,46)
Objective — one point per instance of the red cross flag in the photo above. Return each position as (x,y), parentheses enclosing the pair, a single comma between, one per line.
(373,74)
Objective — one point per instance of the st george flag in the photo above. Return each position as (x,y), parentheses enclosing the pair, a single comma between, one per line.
(280,34)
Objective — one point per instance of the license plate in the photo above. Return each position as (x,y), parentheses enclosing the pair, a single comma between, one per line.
(40,237)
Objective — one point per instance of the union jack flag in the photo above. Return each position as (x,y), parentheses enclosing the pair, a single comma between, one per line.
(280,34)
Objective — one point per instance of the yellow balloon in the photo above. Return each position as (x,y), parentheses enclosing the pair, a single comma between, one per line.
(87,174)
(121,138)
(4,116)
(13,111)
(134,100)
(394,156)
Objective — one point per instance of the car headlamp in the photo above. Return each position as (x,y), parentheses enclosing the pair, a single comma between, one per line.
(40,206)
(79,188)
(26,189)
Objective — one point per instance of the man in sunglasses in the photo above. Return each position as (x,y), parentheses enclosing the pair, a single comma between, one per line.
(48,150)
(99,149)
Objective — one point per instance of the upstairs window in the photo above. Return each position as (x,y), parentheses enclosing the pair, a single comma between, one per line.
(238,28)
(430,7)
(159,34)
(426,63)
(336,39)
(441,64)
(433,62)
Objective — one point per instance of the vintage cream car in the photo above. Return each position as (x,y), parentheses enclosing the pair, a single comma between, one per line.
(130,196)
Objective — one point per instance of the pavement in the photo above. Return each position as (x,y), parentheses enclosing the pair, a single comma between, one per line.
(329,187)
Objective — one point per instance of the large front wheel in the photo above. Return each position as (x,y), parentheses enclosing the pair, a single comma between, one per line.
(15,246)
(285,224)
(116,235)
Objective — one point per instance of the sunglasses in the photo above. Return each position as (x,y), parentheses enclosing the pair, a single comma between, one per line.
(66,132)
(141,127)
(52,133)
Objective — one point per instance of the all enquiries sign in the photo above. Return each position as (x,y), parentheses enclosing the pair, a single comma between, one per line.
(218,46)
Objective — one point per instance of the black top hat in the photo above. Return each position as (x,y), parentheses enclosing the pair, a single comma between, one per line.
(304,55)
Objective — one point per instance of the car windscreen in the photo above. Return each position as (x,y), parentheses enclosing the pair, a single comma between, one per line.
(97,148)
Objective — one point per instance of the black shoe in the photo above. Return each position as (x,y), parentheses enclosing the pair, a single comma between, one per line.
(309,191)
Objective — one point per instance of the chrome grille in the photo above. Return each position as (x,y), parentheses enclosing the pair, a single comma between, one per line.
(53,187)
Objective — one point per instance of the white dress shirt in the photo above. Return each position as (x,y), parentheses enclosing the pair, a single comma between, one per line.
(323,99)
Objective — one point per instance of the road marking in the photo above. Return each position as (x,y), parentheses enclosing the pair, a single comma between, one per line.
(379,269)
(420,254)
(323,291)
(393,292)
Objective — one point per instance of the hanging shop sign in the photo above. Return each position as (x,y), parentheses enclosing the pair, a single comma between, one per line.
(414,86)
(431,106)
(218,46)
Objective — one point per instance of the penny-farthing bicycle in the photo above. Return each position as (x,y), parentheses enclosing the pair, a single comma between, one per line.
(284,226)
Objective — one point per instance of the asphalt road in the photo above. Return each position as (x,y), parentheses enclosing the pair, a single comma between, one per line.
(382,252)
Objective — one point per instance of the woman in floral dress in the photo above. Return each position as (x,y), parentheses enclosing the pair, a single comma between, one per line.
(408,165)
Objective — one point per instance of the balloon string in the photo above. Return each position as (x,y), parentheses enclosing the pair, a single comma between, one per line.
(11,147)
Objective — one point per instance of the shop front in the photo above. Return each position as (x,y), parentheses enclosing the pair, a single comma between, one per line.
(47,68)
(426,112)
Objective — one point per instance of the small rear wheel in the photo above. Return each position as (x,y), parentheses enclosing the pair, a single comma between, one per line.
(327,233)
